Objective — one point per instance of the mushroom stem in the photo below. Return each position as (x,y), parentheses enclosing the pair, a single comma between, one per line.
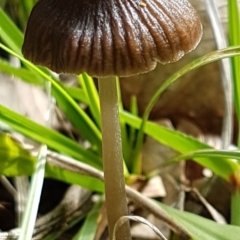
(116,201)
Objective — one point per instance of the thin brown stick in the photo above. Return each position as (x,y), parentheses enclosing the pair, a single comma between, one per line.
(84,169)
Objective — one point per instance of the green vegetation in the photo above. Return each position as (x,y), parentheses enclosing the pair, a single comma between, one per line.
(17,161)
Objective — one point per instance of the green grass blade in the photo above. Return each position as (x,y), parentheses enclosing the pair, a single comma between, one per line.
(91,92)
(76,93)
(47,136)
(21,73)
(183,144)
(221,162)
(26,7)
(88,230)
(211,153)
(130,135)
(76,115)
(234,39)
(10,34)
(136,163)
(125,143)
(235,208)
(200,228)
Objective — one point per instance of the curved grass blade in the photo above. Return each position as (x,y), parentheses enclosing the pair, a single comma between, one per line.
(212,153)
(222,162)
(89,227)
(200,228)
(206,59)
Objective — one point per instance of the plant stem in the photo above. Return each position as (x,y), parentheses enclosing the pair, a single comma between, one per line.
(234,40)
(116,202)
(235,208)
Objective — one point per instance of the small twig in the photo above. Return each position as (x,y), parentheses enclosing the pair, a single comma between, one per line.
(74,205)
(218,217)
(156,210)
(81,168)
(73,165)
(8,186)
(122,220)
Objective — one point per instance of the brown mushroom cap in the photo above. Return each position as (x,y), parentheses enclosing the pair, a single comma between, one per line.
(110,37)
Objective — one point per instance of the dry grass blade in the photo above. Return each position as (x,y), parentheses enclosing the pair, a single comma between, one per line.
(220,39)
(11,235)
(30,215)
(122,220)
(217,216)
(74,204)
(22,185)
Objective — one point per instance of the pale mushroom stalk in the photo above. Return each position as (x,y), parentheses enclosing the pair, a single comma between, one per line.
(107,38)
(116,202)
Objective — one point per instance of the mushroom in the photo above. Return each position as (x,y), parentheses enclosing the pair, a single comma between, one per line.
(109,38)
